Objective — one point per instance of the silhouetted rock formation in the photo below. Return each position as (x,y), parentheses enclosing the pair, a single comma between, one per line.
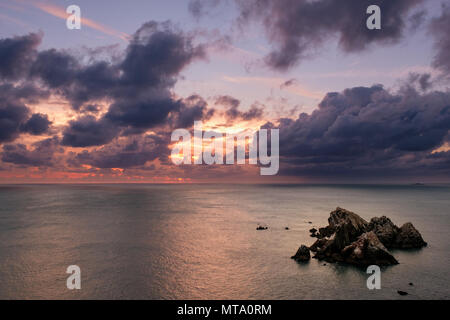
(385,230)
(408,238)
(351,239)
(302,254)
(367,250)
(261,228)
(313,232)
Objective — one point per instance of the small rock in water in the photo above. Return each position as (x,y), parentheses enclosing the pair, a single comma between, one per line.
(261,228)
(411,284)
(313,232)
(402,293)
(302,254)
(309,222)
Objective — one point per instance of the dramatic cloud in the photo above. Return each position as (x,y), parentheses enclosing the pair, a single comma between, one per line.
(16,55)
(14,114)
(138,86)
(193,108)
(11,117)
(296,27)
(88,131)
(232,111)
(134,152)
(439,29)
(368,130)
(154,58)
(41,154)
(38,124)
(124,108)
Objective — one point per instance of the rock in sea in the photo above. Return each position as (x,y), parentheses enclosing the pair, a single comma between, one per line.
(367,250)
(302,254)
(385,230)
(408,238)
(350,239)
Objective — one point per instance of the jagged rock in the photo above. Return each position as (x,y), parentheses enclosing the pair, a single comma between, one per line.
(351,239)
(261,228)
(408,237)
(367,250)
(356,224)
(325,232)
(385,230)
(302,254)
(346,226)
(313,232)
(318,244)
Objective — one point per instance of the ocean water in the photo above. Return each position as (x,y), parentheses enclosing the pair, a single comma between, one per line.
(200,241)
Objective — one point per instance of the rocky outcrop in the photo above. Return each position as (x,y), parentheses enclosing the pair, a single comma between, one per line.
(385,230)
(367,250)
(302,254)
(318,244)
(350,239)
(325,232)
(405,237)
(408,238)
(341,216)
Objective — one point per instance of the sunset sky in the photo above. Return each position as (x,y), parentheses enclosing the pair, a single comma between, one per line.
(99,104)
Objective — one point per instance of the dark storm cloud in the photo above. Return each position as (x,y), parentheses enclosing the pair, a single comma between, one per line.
(367,130)
(37,124)
(255,112)
(296,27)
(91,108)
(60,71)
(157,54)
(138,85)
(88,131)
(41,154)
(25,92)
(15,115)
(136,152)
(439,29)
(193,108)
(232,111)
(12,115)
(16,55)
(151,64)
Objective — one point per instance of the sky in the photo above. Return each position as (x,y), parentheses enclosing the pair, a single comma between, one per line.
(99,104)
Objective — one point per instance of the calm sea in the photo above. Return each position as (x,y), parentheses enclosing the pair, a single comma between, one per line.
(200,241)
